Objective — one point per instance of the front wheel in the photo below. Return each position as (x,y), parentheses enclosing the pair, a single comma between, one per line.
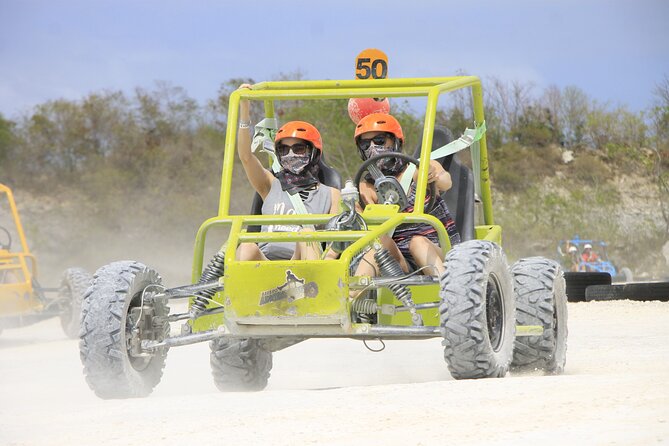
(73,286)
(540,300)
(240,365)
(477,311)
(119,312)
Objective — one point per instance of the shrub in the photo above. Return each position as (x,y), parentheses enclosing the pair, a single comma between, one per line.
(590,169)
(516,167)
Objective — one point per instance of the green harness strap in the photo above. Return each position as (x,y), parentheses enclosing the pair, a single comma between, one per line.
(468,138)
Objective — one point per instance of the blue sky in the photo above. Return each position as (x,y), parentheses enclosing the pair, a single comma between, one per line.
(614,50)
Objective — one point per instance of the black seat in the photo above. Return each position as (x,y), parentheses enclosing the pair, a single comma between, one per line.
(327,175)
(460,198)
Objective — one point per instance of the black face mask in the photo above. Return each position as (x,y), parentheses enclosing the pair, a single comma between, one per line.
(389,166)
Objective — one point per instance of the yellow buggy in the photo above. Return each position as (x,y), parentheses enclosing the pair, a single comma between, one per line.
(23,301)
(491,316)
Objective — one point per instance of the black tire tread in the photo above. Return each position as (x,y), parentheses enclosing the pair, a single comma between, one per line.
(639,291)
(578,282)
(240,365)
(540,288)
(74,283)
(467,347)
(102,348)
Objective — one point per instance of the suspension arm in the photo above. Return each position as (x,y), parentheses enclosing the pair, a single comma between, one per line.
(189,290)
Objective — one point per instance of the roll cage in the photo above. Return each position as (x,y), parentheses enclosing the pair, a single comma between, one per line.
(379,221)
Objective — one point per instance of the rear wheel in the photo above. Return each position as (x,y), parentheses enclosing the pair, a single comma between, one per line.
(240,365)
(73,286)
(540,300)
(477,311)
(119,312)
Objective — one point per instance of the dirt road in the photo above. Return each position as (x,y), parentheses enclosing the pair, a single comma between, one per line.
(615,391)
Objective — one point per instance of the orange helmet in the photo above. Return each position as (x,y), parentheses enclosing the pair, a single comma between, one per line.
(379,122)
(358,108)
(302,130)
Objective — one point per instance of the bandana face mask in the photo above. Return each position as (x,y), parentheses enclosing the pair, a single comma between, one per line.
(377,146)
(295,163)
(294,158)
(390,165)
(299,170)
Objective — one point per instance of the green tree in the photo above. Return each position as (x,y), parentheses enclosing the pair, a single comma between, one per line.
(659,167)
(574,113)
(7,143)
(535,127)
(552,102)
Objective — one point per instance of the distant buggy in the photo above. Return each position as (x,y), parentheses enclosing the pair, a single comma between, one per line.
(23,301)
(571,253)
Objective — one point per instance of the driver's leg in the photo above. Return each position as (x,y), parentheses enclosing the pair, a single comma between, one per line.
(394,251)
(426,253)
(368,266)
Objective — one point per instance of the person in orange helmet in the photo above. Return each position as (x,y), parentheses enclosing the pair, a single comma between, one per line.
(380,133)
(298,146)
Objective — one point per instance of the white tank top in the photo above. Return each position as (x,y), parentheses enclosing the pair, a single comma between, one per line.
(277,202)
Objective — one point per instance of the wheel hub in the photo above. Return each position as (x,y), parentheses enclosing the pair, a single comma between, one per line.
(494,313)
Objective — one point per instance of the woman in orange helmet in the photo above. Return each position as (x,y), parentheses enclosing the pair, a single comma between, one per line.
(380,133)
(298,147)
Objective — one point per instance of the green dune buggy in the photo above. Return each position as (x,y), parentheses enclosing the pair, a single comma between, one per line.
(491,316)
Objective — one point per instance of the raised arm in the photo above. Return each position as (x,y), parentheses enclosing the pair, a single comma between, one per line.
(259,177)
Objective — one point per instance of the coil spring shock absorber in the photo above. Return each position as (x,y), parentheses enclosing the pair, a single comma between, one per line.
(390,267)
(213,271)
(364,306)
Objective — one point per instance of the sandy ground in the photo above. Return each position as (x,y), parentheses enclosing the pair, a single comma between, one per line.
(615,391)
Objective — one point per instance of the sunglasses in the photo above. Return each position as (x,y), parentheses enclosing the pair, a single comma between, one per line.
(378,140)
(299,148)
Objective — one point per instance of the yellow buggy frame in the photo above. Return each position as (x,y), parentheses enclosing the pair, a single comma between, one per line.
(250,309)
(328,313)
(22,300)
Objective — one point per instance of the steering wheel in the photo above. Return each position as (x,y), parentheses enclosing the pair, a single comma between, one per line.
(388,189)
(7,245)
